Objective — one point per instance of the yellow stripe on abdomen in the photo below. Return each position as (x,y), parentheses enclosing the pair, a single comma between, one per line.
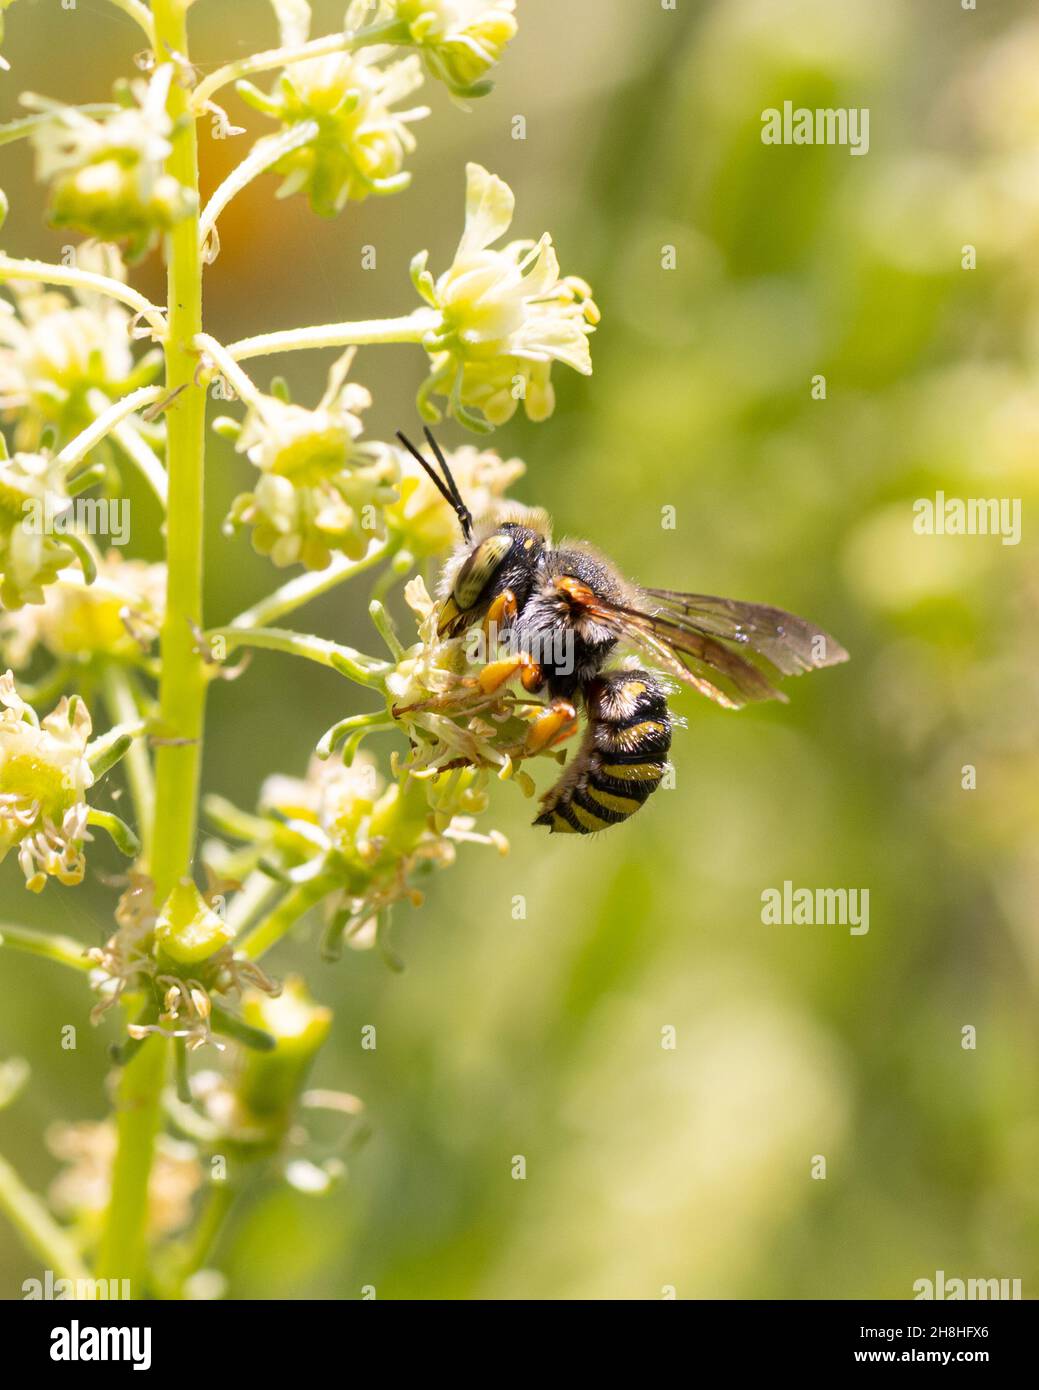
(633,772)
(623,805)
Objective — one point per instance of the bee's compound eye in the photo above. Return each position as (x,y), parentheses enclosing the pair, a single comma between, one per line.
(479,568)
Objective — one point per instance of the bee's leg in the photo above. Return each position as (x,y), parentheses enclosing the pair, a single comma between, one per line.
(551,725)
(501,613)
(494,675)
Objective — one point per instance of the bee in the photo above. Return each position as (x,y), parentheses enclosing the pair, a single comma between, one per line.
(565,610)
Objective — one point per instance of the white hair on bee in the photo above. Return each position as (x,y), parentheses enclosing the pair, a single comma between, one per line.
(503,513)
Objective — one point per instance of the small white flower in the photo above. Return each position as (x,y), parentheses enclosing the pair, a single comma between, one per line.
(107,174)
(362,139)
(44,777)
(320,490)
(117,617)
(506,316)
(32,489)
(460,40)
(55,350)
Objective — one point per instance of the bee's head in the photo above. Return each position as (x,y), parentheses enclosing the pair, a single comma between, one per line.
(506,558)
(486,564)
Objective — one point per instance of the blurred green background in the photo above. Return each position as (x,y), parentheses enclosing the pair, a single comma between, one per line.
(646,1167)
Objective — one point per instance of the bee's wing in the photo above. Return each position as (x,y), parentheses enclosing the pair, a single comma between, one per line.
(687,635)
(791,644)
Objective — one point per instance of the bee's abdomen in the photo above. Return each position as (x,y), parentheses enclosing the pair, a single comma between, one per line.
(622,760)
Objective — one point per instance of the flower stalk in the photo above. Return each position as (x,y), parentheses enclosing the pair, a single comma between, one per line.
(123,1252)
(410,328)
(41,1233)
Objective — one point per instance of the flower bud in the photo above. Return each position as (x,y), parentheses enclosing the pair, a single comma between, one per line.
(361,142)
(107,175)
(269,1083)
(188,931)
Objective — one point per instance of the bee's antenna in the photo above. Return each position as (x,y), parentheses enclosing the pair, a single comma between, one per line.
(461,507)
(449,491)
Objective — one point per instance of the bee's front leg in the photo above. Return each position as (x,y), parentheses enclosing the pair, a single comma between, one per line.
(494,675)
(500,614)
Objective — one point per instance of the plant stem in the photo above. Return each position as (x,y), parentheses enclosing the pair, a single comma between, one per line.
(124,1244)
(140,454)
(284,917)
(29,1216)
(183,684)
(122,709)
(40,272)
(295,53)
(106,421)
(301,589)
(260,158)
(358,667)
(236,377)
(141,15)
(216,1205)
(25,125)
(63,949)
(411,328)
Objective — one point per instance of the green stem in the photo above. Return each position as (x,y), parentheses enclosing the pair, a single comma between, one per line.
(105,422)
(284,917)
(296,53)
(70,276)
(141,15)
(140,454)
(63,949)
(123,1251)
(411,328)
(183,683)
(304,587)
(355,665)
(263,154)
(124,1243)
(34,1223)
(25,125)
(218,1202)
(122,709)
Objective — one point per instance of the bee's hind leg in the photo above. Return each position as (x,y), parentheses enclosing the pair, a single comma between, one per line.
(551,725)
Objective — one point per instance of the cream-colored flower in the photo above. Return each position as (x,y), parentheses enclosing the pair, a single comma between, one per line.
(56,349)
(34,544)
(44,777)
(82,1189)
(334,800)
(506,316)
(351,837)
(107,174)
(362,141)
(118,616)
(422,517)
(451,721)
(320,490)
(460,40)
